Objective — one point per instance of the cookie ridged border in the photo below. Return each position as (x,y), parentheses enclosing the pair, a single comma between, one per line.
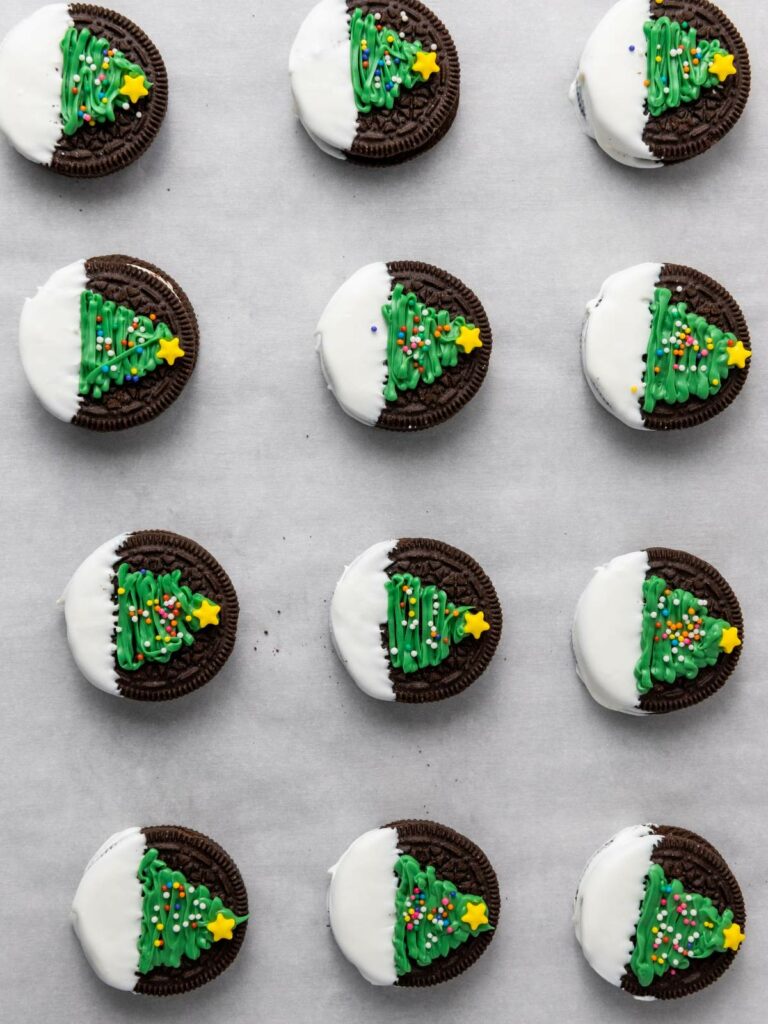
(717,403)
(203,970)
(721,127)
(427,133)
(431,418)
(154,112)
(490,639)
(185,323)
(219,657)
(727,663)
(467,954)
(682,839)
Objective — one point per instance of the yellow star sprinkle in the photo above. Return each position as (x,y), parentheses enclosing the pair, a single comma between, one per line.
(221,928)
(733,936)
(722,66)
(134,88)
(475,624)
(738,355)
(207,614)
(469,339)
(426,64)
(730,639)
(475,915)
(170,350)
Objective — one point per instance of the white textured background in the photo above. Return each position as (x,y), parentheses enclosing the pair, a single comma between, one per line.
(281,758)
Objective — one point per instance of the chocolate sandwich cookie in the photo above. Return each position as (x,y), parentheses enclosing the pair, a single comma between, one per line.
(82,89)
(108,343)
(664,347)
(160,910)
(656,631)
(413,903)
(661,81)
(403,345)
(415,620)
(150,616)
(658,912)
(374,83)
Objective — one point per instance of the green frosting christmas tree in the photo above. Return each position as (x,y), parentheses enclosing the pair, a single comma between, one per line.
(678,637)
(178,919)
(118,346)
(432,916)
(423,624)
(421,341)
(157,616)
(384,63)
(679,66)
(687,356)
(675,927)
(96,81)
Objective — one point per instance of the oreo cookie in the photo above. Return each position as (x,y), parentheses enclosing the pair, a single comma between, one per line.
(413,904)
(415,620)
(664,347)
(160,910)
(108,343)
(656,631)
(658,912)
(403,345)
(661,81)
(150,616)
(374,83)
(82,89)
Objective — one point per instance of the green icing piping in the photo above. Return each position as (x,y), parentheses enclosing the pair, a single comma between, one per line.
(117,346)
(422,623)
(177,919)
(678,638)
(156,616)
(420,342)
(90,92)
(687,356)
(428,916)
(676,926)
(381,62)
(678,77)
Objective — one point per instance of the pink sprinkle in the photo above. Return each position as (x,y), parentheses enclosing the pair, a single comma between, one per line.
(663,903)
(409,927)
(449,930)
(445,901)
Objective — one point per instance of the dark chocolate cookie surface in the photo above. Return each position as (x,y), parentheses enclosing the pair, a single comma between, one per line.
(680,569)
(692,128)
(200,858)
(455,857)
(709,299)
(692,859)
(421,116)
(105,148)
(430,404)
(464,580)
(149,291)
(160,551)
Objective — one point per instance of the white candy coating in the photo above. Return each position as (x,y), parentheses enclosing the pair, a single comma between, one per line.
(607,630)
(321,77)
(609,86)
(30,82)
(90,610)
(361,903)
(107,909)
(615,337)
(353,354)
(358,611)
(607,905)
(49,341)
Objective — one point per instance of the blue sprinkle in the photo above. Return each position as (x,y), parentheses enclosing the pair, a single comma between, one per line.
(80,114)
(374,328)
(631,49)
(381,63)
(140,349)
(143,572)
(659,351)
(135,380)
(377,74)
(397,60)
(366,53)
(388,86)
(127,376)
(105,369)
(102,95)
(178,906)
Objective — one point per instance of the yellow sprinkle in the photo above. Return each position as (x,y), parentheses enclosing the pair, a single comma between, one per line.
(158,942)
(633,389)
(715,383)
(159,926)
(121,590)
